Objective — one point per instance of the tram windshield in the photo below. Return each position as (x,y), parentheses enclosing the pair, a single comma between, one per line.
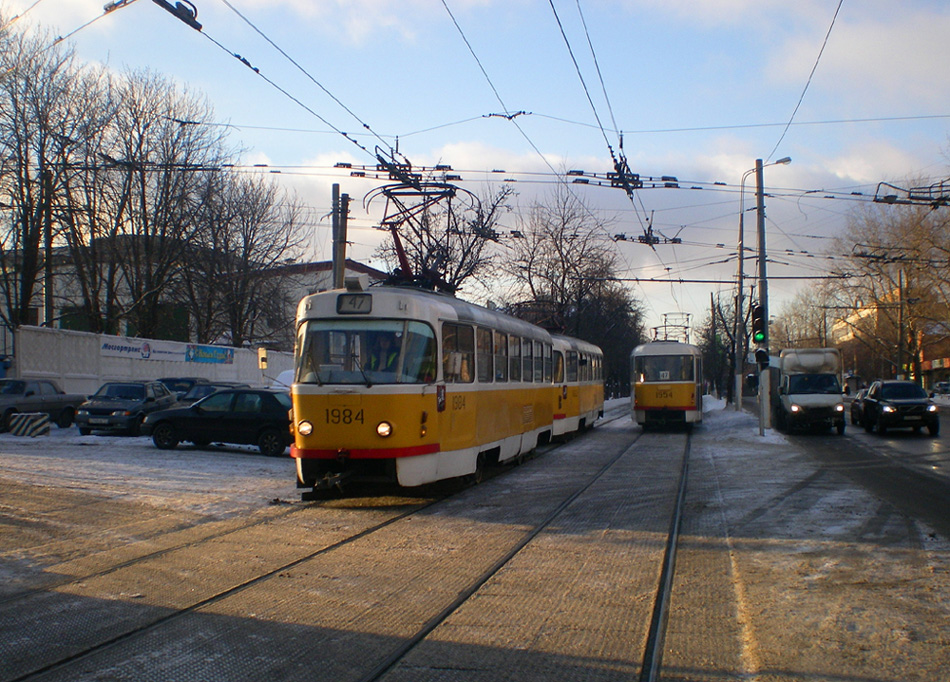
(365,352)
(664,368)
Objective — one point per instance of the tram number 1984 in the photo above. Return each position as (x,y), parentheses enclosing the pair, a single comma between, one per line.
(344,415)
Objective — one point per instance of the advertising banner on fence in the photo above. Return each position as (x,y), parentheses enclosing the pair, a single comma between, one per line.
(140,349)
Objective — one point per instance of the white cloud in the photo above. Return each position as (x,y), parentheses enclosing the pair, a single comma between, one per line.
(893,61)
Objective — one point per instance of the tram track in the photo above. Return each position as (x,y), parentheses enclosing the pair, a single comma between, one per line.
(65,666)
(232,530)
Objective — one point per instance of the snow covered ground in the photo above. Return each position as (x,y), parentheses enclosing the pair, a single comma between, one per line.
(217,481)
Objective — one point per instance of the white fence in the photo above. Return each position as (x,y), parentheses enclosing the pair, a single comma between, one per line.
(80,362)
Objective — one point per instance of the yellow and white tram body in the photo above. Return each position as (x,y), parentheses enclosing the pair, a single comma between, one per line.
(667,384)
(579,384)
(458,386)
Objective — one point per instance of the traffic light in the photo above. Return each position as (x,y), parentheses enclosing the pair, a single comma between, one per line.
(758,323)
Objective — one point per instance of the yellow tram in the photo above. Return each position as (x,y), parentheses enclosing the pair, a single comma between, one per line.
(579,384)
(411,386)
(666,379)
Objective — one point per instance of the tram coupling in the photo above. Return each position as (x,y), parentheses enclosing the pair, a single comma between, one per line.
(329,481)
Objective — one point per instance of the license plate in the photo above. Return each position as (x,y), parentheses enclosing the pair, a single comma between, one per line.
(98,420)
(912,417)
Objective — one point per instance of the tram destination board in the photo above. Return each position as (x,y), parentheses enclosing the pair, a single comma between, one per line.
(354,304)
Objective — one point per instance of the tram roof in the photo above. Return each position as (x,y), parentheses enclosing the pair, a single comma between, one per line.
(423,304)
(666,348)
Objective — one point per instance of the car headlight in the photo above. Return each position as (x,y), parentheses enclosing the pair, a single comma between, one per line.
(84,413)
(839,407)
(796,408)
(931,408)
(304,428)
(888,408)
(121,413)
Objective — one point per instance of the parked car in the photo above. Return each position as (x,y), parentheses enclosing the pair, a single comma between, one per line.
(122,406)
(896,403)
(942,387)
(243,416)
(857,407)
(199,391)
(181,385)
(41,395)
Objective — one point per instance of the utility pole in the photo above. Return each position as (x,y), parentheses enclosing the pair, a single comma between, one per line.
(765,416)
(340,210)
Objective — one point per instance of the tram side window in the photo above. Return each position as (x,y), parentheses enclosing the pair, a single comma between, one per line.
(501,357)
(484,355)
(528,357)
(571,366)
(558,367)
(514,358)
(542,362)
(458,353)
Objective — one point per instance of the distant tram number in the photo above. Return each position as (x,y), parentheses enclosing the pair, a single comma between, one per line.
(344,416)
(664,393)
(458,402)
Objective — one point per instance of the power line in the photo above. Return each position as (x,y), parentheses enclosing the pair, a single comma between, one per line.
(808,82)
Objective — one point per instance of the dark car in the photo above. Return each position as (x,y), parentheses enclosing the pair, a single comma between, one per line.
(37,395)
(242,416)
(895,403)
(857,407)
(122,406)
(199,391)
(181,385)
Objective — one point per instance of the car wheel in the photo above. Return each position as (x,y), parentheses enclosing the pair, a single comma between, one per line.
(164,436)
(271,444)
(934,429)
(65,419)
(868,423)
(6,419)
(83,431)
(840,427)
(881,429)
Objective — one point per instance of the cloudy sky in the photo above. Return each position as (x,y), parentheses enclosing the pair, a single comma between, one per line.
(695,89)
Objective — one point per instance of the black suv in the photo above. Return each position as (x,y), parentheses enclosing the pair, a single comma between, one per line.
(899,404)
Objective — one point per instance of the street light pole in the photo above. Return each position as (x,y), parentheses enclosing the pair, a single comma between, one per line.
(765,415)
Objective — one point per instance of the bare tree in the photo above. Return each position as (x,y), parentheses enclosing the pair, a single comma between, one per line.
(232,284)
(37,116)
(564,270)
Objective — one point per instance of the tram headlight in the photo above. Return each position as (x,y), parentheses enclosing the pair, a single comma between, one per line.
(304,428)
(384,429)
(796,408)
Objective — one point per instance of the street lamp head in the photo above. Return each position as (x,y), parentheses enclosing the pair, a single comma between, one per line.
(784,161)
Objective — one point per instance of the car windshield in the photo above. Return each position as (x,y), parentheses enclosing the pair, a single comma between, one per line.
(365,352)
(813,383)
(9,387)
(902,392)
(122,391)
(199,391)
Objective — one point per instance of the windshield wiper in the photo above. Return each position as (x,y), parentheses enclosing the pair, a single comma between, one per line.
(356,360)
